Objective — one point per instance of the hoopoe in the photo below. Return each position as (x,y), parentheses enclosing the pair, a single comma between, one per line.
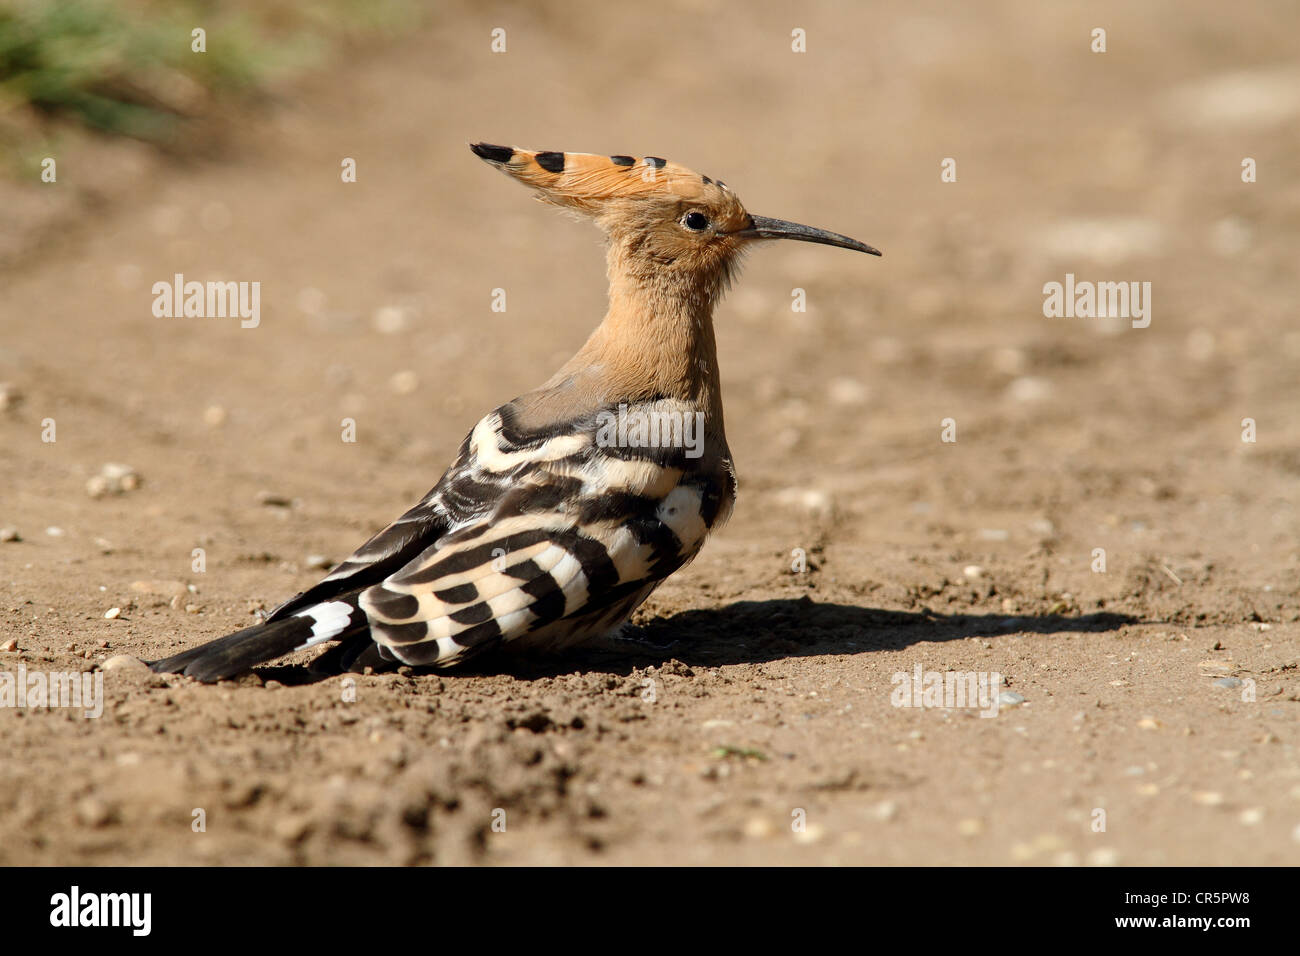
(567,506)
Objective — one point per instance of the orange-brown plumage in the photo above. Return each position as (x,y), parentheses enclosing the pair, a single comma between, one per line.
(665,276)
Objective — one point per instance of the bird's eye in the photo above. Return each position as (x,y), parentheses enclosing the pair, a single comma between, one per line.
(696,220)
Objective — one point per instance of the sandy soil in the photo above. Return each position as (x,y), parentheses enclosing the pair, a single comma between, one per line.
(745,692)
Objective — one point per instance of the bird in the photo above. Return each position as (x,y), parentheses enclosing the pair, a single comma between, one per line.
(568,505)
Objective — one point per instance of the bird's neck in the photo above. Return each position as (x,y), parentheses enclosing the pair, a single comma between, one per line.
(657,339)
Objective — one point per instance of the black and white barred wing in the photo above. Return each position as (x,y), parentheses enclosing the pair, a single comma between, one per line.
(544,538)
(463,496)
(578,537)
(385,552)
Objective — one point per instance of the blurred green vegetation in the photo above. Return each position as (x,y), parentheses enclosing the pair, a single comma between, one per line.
(126,67)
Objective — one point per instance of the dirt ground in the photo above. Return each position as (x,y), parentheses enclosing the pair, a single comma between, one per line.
(746,716)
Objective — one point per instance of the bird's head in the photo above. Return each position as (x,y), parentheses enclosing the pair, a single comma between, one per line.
(664,221)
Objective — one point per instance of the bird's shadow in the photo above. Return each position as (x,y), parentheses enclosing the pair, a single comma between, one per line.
(754,632)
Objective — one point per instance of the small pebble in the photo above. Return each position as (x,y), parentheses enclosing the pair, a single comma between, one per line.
(1208,798)
(1228,683)
(884,811)
(292,829)
(159,587)
(1029,388)
(1251,816)
(1022,851)
(113,478)
(319,561)
(113,613)
(93,812)
(10,645)
(1048,842)
(1149,723)
(10,534)
(404,382)
(243,794)
(811,833)
(214,416)
(1009,698)
(847,391)
(390,320)
(10,396)
(809,499)
(973,571)
(1229,236)
(125,663)
(1104,856)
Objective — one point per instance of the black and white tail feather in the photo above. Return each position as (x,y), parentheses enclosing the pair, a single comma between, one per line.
(539,538)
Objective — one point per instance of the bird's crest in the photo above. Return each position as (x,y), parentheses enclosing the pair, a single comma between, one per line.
(590,183)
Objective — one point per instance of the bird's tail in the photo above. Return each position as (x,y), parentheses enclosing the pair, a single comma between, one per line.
(235,653)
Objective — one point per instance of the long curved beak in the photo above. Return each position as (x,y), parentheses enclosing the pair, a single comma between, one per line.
(763,228)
